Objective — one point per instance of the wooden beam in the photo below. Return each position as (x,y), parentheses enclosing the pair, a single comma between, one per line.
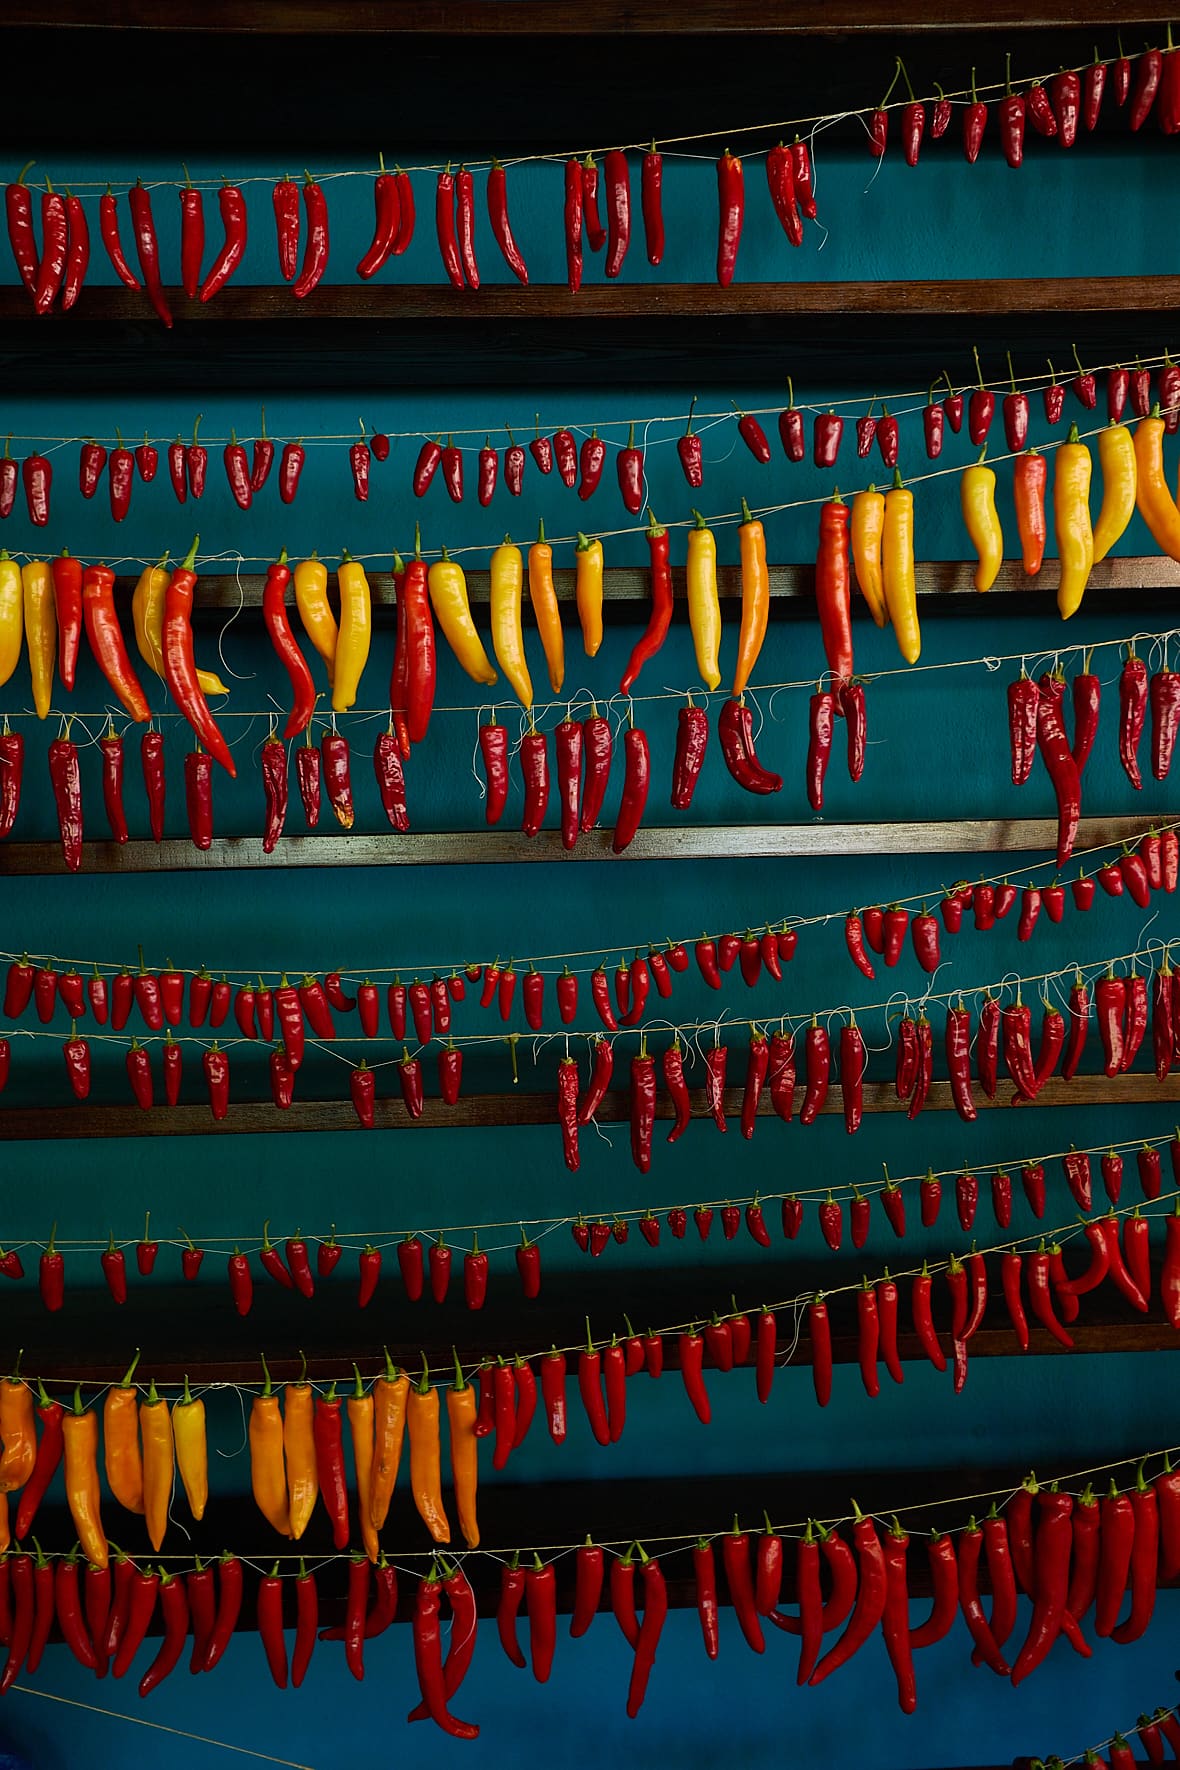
(492,847)
(527,18)
(1114,584)
(362,304)
(478,1111)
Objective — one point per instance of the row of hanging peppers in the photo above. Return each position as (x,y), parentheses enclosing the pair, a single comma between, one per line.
(582,466)
(296,1440)
(1125,1008)
(1069,1554)
(1072,98)
(1151,1731)
(56,272)
(429,1268)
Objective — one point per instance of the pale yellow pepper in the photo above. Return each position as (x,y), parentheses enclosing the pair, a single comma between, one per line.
(588,591)
(897,570)
(147,618)
(1071,521)
(355,635)
(507,587)
(448,598)
(867,524)
(12,621)
(977,495)
(40,616)
(1116,457)
(311,599)
(192,1451)
(704,609)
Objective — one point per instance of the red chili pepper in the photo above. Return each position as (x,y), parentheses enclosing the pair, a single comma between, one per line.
(801,168)
(829,430)
(497,193)
(1133,699)
(731,202)
(920,1306)
(65,779)
(315,251)
(636,781)
(534,766)
(192,238)
(232,205)
(147,249)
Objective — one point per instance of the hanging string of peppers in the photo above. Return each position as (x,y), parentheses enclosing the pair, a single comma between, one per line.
(54,273)
(431,1260)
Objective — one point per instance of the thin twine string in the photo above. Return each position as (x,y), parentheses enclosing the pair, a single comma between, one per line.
(812,125)
(593,1034)
(702,421)
(223,1745)
(1061,1235)
(538,961)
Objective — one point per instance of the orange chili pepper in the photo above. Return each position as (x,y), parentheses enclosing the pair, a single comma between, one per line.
(18,1430)
(267,1476)
(299,1447)
(461,1417)
(546,613)
(1028,489)
(120,1442)
(390,1394)
(425,1468)
(159,1464)
(361,1428)
(80,1455)
(755,598)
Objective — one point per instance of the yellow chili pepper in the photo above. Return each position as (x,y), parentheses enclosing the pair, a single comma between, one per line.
(311,599)
(360,1426)
(588,591)
(120,1443)
(704,609)
(147,618)
(303,1483)
(867,525)
(159,1464)
(543,597)
(1071,521)
(355,635)
(389,1425)
(1155,502)
(977,495)
(425,1465)
(192,1450)
(448,598)
(1116,457)
(897,569)
(755,598)
(18,1431)
(507,585)
(12,622)
(80,1454)
(461,1415)
(267,1476)
(40,631)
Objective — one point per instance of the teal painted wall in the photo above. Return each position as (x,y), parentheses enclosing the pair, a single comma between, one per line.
(938,750)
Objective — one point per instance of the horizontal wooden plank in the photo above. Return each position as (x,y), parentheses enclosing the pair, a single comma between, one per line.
(696,335)
(511,847)
(361,304)
(540,18)
(1114,583)
(252,1117)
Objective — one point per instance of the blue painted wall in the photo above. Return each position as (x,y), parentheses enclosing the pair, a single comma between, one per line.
(938,750)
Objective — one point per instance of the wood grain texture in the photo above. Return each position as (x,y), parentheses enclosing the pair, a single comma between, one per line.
(511,847)
(537,18)
(480,1111)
